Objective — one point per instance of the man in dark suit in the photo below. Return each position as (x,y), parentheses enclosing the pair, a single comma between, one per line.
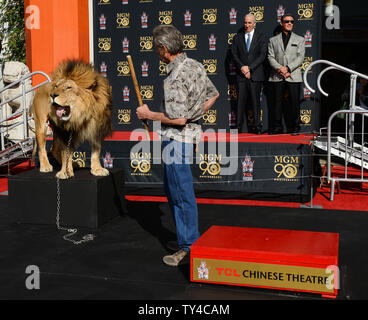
(249,50)
(286,53)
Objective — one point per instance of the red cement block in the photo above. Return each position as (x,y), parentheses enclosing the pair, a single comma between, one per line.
(267,258)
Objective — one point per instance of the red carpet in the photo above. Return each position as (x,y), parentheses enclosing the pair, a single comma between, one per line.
(214,136)
(24,166)
(352,196)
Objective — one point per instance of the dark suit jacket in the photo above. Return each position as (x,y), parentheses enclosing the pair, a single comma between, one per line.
(256,56)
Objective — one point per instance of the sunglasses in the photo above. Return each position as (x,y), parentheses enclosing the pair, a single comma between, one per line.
(288,21)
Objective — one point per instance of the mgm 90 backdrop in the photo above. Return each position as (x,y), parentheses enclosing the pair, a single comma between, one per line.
(123,27)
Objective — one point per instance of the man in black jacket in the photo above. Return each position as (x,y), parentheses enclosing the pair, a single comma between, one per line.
(249,50)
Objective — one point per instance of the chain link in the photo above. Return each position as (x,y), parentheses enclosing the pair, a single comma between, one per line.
(71,231)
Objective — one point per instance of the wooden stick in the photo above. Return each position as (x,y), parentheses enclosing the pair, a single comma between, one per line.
(138,92)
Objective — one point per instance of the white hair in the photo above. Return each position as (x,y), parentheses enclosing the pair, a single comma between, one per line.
(250,15)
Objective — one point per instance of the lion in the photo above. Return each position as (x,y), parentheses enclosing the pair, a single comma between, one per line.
(77,103)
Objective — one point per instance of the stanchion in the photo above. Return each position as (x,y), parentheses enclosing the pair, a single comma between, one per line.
(311,206)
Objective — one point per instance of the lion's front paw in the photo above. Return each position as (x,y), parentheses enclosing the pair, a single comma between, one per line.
(100,172)
(64,175)
(46,168)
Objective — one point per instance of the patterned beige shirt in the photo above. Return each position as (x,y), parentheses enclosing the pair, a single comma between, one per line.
(186,89)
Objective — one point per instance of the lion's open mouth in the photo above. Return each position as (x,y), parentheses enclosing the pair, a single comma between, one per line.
(62,112)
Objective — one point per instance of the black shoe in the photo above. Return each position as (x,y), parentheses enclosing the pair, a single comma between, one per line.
(251,129)
(258,129)
(276,131)
(294,131)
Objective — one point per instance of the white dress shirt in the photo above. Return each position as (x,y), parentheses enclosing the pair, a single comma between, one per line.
(251,37)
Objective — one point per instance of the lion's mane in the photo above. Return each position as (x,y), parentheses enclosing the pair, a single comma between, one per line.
(91,117)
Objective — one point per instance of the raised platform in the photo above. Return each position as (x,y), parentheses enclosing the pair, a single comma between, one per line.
(86,200)
(262,167)
(267,258)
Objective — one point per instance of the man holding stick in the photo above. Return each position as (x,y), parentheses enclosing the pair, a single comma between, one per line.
(188,94)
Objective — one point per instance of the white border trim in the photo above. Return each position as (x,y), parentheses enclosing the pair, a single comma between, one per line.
(91,38)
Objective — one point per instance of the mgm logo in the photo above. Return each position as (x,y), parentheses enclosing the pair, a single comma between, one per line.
(147,92)
(124,116)
(286,168)
(306,63)
(190,41)
(122,20)
(162,68)
(210,65)
(209,16)
(210,117)
(79,158)
(146,43)
(104,2)
(104,45)
(306,117)
(140,162)
(123,69)
(165,17)
(305,11)
(230,37)
(232,94)
(210,165)
(258,12)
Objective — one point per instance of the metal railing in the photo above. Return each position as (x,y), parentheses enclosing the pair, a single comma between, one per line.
(355,153)
(11,150)
(344,147)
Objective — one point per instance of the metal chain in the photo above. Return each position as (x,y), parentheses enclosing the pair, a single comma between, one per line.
(72,231)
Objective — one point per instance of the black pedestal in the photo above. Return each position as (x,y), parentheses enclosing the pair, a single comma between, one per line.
(86,200)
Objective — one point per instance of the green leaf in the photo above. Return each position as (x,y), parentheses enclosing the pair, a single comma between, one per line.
(13,16)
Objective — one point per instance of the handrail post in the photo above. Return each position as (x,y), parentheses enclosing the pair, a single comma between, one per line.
(2,142)
(25,122)
(353,80)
